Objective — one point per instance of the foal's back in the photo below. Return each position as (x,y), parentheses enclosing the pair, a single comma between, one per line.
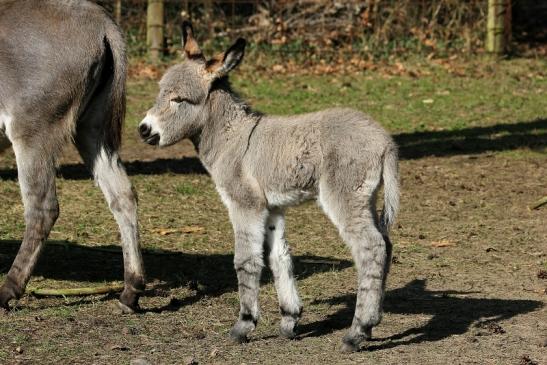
(295,152)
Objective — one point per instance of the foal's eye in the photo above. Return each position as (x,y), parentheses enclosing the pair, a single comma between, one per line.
(180,100)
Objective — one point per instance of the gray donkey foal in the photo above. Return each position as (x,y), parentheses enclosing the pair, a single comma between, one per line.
(263,164)
(62,78)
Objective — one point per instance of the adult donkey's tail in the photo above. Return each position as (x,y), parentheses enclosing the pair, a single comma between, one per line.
(390,176)
(114,122)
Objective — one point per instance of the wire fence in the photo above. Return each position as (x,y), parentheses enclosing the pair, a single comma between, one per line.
(317,28)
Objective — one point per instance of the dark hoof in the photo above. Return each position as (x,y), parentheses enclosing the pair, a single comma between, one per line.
(125,309)
(4,310)
(129,300)
(241,330)
(4,304)
(351,343)
(287,327)
(349,347)
(238,337)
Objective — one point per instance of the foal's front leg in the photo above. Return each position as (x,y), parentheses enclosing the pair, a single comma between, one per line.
(248,225)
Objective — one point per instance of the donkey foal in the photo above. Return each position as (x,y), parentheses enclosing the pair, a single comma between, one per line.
(263,164)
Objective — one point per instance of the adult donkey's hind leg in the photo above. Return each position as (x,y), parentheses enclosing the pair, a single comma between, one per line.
(36,173)
(282,269)
(112,179)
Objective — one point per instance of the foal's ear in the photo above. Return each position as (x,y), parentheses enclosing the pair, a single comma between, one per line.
(225,62)
(189,43)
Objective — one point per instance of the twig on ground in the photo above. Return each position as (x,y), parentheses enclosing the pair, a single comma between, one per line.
(66,292)
(316,261)
(539,203)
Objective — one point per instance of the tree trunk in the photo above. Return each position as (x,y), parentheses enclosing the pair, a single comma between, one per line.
(498,26)
(154,29)
(208,7)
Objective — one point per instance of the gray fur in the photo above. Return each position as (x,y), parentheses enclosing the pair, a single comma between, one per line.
(263,164)
(62,79)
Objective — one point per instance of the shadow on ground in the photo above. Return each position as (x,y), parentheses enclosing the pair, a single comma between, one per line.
(450,315)
(207,274)
(213,275)
(499,137)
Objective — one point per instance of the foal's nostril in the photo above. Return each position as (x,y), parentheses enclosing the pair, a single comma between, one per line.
(144,130)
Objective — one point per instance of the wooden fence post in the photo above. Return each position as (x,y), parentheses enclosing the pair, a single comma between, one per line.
(154,29)
(118,11)
(497,35)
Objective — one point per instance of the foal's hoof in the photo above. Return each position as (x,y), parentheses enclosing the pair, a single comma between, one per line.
(238,337)
(125,309)
(348,347)
(287,327)
(350,344)
(241,330)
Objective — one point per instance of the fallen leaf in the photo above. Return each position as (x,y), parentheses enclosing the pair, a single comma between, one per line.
(119,348)
(192,229)
(442,243)
(185,229)
(214,352)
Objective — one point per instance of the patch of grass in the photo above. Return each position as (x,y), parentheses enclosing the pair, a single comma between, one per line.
(186,189)
(478,203)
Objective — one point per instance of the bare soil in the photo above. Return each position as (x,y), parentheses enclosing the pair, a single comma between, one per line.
(464,286)
(467,284)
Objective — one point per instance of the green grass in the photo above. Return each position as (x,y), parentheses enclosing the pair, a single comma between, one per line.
(501,93)
(474,202)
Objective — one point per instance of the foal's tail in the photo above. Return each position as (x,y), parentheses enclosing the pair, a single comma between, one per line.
(114,123)
(390,175)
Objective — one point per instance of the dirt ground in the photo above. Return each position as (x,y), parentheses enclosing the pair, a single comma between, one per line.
(468,281)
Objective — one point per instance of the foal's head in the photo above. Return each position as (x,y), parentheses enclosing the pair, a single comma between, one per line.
(181,107)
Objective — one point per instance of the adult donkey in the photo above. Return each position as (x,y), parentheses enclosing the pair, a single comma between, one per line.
(262,164)
(62,79)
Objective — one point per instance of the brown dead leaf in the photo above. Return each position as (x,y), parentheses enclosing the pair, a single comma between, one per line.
(185,229)
(192,229)
(442,243)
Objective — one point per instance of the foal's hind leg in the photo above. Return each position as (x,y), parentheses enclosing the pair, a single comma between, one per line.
(355,216)
(36,173)
(112,179)
(282,269)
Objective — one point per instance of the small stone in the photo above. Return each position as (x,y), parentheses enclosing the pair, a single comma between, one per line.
(19,350)
(190,360)
(139,361)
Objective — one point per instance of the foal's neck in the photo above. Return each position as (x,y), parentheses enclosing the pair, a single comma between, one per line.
(229,126)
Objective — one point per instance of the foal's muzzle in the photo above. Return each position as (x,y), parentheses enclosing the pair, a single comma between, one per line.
(146,134)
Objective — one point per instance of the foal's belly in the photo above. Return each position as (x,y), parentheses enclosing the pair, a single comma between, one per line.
(4,142)
(5,120)
(288,198)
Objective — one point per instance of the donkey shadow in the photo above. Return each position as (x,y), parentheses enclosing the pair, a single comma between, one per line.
(450,315)
(213,275)
(206,274)
(413,145)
